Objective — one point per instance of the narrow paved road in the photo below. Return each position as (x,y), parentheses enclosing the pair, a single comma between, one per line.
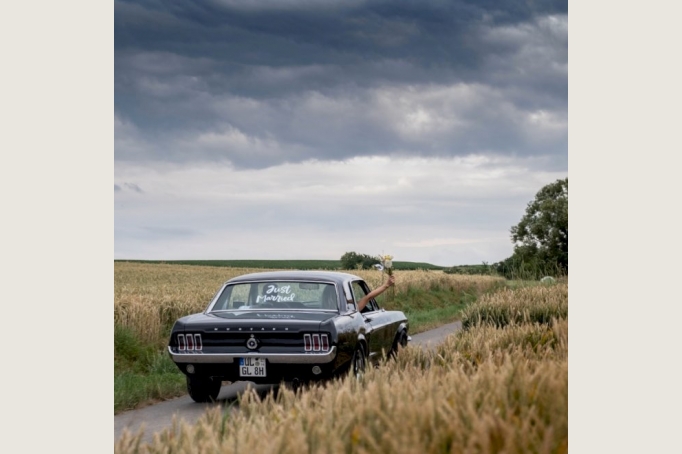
(157,417)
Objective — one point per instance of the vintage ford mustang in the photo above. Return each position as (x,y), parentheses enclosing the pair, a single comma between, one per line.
(283,326)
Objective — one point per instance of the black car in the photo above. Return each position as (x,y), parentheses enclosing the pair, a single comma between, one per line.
(283,326)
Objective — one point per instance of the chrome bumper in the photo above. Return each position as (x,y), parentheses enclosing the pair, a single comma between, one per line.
(282,358)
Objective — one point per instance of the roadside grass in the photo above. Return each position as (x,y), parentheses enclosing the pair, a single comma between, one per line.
(486,389)
(428,309)
(135,390)
(143,374)
(425,320)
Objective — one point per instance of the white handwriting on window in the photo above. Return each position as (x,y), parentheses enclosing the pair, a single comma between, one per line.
(276,294)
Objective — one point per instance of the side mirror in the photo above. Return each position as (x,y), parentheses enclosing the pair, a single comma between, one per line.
(352,307)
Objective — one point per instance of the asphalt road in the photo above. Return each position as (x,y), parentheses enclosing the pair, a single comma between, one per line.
(155,418)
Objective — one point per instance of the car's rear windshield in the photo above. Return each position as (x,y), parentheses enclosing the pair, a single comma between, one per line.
(277,295)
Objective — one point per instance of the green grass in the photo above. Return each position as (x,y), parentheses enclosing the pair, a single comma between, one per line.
(134,390)
(428,309)
(142,373)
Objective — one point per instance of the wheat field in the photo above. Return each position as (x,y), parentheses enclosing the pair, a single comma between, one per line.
(486,389)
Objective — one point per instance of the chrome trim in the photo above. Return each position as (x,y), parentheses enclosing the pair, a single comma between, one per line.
(275,358)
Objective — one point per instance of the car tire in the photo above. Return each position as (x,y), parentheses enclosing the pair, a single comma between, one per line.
(203,389)
(400,342)
(359,362)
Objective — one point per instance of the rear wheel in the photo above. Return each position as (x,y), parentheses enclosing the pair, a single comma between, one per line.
(203,389)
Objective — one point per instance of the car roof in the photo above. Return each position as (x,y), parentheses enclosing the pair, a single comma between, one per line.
(325,276)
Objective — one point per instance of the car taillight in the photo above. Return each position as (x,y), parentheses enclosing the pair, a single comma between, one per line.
(189,342)
(316,342)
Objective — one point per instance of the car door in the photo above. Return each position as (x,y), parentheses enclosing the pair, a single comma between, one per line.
(377,322)
(384,327)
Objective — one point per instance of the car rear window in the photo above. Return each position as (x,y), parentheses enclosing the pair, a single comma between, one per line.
(277,295)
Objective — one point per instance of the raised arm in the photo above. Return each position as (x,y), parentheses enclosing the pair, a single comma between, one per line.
(374,293)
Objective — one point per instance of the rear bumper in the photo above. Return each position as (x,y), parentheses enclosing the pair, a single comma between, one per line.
(275,358)
(275,372)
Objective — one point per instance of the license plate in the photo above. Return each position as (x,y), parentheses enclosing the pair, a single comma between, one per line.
(252,367)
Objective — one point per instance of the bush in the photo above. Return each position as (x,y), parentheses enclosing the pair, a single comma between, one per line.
(353,260)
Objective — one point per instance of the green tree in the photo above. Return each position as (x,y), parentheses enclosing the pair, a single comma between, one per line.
(541,237)
(349,260)
(353,260)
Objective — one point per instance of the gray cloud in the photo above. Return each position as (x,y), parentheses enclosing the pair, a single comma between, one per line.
(257,84)
(133,187)
(128,187)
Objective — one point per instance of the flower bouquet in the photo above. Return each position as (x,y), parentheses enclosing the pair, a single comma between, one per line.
(386,264)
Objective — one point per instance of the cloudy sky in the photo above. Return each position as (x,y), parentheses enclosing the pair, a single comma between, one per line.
(303,129)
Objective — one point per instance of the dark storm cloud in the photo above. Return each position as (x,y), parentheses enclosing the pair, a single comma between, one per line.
(260,83)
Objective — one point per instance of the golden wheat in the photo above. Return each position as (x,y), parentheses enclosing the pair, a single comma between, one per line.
(484,390)
(538,304)
(516,406)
